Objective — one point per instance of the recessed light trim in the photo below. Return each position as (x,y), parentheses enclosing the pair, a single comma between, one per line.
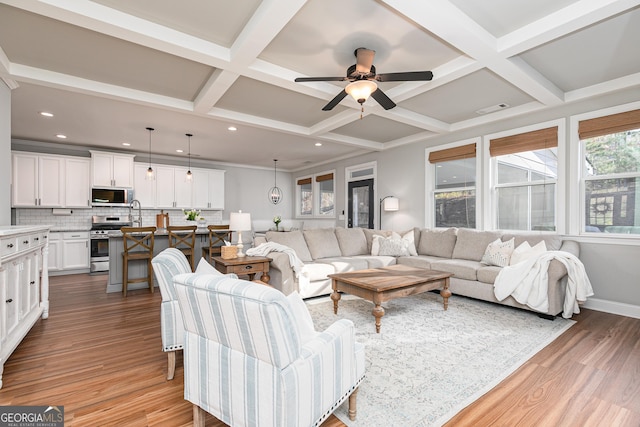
(179,151)
(61,136)
(45,113)
(232,128)
(318,144)
(126,144)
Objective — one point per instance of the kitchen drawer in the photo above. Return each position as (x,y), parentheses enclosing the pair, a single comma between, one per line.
(72,235)
(8,246)
(38,239)
(25,242)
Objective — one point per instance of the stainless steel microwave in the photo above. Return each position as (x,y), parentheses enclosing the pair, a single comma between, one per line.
(111,196)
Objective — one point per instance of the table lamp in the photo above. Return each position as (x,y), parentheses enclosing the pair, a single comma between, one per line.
(239,222)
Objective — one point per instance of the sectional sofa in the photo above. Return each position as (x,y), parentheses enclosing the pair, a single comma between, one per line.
(456,250)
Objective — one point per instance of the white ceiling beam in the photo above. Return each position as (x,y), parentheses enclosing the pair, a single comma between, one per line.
(414,119)
(630,82)
(215,87)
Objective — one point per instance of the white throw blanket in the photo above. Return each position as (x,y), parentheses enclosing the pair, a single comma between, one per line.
(264,249)
(528,282)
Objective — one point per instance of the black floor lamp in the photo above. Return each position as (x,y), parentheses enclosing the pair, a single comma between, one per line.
(388,204)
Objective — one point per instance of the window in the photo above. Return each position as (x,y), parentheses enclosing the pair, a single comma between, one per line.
(455,192)
(611,173)
(525,168)
(316,195)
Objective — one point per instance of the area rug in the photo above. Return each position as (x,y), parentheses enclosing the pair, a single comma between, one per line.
(427,364)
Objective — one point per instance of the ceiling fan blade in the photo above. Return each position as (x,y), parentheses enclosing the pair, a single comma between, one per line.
(364,60)
(335,101)
(320,79)
(408,76)
(383,99)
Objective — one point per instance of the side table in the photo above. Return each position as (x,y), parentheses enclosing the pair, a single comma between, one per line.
(249,265)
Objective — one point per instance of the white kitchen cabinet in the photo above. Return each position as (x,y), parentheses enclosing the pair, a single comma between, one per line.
(172,188)
(77,172)
(24,284)
(111,169)
(37,180)
(75,250)
(55,251)
(208,189)
(144,189)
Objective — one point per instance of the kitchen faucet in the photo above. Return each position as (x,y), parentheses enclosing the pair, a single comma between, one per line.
(131,206)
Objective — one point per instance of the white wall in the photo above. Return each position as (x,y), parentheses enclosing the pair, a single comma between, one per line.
(5,154)
(612,268)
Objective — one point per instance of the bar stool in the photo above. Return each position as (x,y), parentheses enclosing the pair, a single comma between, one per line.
(183,237)
(217,236)
(138,245)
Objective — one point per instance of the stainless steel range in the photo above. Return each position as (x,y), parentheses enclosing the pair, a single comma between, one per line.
(100,228)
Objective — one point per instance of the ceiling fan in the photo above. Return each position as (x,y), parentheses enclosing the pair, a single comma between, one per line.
(363,78)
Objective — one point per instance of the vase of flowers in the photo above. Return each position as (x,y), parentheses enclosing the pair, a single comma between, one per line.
(191,216)
(277,220)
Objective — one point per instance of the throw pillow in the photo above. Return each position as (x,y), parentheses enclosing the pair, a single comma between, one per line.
(525,252)
(498,253)
(410,238)
(393,245)
(301,317)
(205,268)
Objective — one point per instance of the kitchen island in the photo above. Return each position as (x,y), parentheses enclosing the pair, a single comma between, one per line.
(139,269)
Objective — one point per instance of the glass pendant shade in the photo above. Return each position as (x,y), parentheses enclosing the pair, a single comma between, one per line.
(361,90)
(189,174)
(275,193)
(150,169)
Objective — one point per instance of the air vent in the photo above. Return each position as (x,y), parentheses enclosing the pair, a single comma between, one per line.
(493,108)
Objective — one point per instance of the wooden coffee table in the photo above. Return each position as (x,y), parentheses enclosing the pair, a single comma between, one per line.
(386,283)
(249,265)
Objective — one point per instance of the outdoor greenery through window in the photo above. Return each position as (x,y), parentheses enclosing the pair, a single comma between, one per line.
(316,195)
(305,197)
(326,194)
(455,193)
(612,182)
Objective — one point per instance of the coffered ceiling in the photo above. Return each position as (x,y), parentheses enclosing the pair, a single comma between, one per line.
(107,69)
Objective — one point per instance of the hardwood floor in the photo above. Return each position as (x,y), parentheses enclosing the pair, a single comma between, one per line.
(100,356)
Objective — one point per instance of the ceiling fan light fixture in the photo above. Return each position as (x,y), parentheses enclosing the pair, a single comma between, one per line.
(361,90)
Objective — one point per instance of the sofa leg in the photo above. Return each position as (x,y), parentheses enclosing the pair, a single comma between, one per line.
(546,316)
(198,416)
(171,362)
(352,405)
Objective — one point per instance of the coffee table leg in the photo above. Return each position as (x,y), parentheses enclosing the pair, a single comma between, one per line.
(377,312)
(445,293)
(335,296)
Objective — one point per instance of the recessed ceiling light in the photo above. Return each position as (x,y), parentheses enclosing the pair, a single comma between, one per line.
(46,114)
(232,128)
(179,151)
(126,144)
(61,136)
(318,144)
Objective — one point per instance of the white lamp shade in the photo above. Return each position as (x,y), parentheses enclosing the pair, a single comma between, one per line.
(390,204)
(239,221)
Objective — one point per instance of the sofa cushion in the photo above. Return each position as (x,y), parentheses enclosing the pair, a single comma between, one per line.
(525,251)
(378,261)
(315,271)
(498,253)
(294,240)
(410,238)
(461,268)
(488,274)
(352,241)
(420,261)
(345,264)
(553,242)
(471,244)
(438,243)
(393,245)
(322,242)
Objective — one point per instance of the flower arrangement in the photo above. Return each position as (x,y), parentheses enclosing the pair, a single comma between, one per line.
(191,214)
(277,220)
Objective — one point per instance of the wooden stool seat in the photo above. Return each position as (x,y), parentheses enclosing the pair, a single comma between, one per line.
(217,236)
(183,237)
(138,245)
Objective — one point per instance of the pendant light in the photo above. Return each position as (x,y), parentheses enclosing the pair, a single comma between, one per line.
(275,194)
(150,170)
(189,174)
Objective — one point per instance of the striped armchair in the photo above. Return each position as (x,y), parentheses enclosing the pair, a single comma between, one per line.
(245,361)
(167,264)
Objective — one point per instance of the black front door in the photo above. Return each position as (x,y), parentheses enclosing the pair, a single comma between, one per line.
(361,207)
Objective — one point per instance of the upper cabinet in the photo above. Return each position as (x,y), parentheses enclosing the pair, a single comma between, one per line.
(111,169)
(170,188)
(49,181)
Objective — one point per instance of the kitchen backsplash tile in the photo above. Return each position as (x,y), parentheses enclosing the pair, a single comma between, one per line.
(80,219)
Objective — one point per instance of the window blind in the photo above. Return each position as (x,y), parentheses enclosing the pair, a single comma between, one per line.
(456,153)
(609,124)
(304,181)
(528,141)
(325,177)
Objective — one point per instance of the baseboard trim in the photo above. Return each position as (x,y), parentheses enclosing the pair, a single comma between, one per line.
(613,307)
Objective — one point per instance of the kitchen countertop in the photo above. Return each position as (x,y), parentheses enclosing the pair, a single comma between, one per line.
(8,230)
(159,232)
